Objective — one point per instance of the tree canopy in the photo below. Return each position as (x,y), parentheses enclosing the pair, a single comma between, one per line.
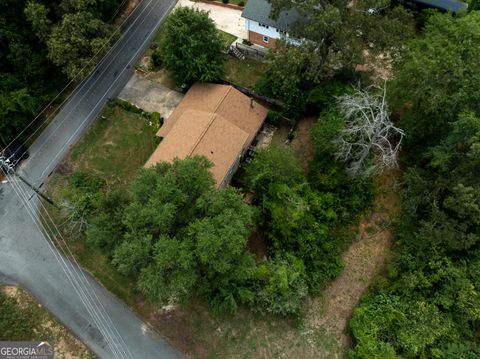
(191,46)
(427,306)
(41,44)
(178,235)
(437,77)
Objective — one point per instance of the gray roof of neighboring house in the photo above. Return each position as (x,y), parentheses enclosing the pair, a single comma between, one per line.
(447,5)
(259,10)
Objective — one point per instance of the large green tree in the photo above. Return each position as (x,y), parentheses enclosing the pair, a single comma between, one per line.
(78,41)
(178,235)
(332,35)
(341,30)
(191,47)
(438,77)
(17,106)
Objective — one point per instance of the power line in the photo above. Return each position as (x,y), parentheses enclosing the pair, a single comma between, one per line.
(114,33)
(74,278)
(68,271)
(74,273)
(98,103)
(118,10)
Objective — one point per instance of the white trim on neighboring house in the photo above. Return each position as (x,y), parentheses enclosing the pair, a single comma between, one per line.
(268,31)
(264,30)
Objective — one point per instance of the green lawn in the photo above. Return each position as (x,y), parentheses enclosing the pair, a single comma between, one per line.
(243,72)
(227,39)
(115,147)
(118,143)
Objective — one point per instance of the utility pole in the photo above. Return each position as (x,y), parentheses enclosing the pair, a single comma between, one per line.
(36,190)
(9,169)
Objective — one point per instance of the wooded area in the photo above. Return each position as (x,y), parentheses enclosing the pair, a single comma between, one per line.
(43,44)
(428,306)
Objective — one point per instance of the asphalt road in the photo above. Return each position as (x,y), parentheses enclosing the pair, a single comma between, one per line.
(26,258)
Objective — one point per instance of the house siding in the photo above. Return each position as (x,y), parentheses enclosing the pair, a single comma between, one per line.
(257,39)
(257,32)
(254,26)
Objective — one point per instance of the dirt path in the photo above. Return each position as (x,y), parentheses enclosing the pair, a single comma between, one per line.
(302,143)
(363,261)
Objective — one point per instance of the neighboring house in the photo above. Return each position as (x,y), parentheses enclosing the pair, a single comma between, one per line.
(215,121)
(262,29)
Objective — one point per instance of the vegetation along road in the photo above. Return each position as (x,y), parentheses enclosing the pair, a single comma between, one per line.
(86,308)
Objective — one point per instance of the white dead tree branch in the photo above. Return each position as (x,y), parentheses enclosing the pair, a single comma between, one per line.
(75,218)
(369,142)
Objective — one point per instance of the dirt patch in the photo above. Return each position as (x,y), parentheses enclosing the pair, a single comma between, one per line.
(257,245)
(379,67)
(302,142)
(363,261)
(10,291)
(66,345)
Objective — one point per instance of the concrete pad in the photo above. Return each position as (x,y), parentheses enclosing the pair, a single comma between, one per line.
(150,96)
(226,19)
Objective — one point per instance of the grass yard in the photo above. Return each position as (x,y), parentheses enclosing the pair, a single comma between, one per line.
(227,39)
(117,144)
(243,72)
(23,319)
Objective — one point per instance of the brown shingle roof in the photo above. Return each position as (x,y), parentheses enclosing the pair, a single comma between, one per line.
(215,121)
(224,100)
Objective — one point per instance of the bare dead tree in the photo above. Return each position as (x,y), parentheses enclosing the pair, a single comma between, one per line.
(75,218)
(369,142)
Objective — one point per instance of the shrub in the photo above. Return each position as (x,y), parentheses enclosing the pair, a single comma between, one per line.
(279,286)
(274,117)
(157,58)
(88,182)
(156,121)
(274,164)
(324,131)
(323,96)
(241,3)
(225,1)
(127,106)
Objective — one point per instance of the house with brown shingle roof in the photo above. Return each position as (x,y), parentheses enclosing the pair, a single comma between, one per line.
(215,121)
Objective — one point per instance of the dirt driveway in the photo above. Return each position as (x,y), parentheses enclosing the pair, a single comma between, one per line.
(226,19)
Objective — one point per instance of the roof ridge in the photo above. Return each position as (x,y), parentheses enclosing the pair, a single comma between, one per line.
(202,135)
(223,98)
